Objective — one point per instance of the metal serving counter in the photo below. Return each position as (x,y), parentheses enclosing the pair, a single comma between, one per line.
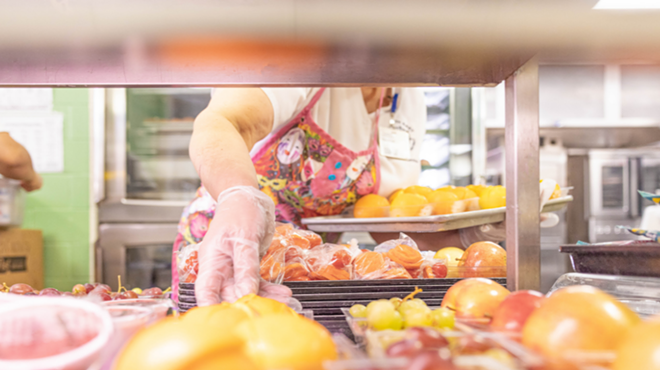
(330,43)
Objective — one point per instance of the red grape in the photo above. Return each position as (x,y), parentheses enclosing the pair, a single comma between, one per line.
(21,289)
(79,289)
(439,270)
(89,287)
(100,289)
(104,287)
(50,292)
(129,294)
(152,292)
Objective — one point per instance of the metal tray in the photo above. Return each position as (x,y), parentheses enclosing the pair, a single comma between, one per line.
(427,224)
(628,259)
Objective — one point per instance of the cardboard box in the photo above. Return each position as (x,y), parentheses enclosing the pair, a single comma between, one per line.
(22,257)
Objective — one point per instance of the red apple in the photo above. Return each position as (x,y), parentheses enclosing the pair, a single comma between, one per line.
(577,318)
(449,300)
(479,301)
(485,259)
(511,315)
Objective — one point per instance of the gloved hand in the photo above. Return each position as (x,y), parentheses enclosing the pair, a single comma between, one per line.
(497,232)
(229,255)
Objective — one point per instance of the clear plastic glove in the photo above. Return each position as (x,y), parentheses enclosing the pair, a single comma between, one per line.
(497,232)
(229,255)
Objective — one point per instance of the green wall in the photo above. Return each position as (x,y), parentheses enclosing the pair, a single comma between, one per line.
(61,209)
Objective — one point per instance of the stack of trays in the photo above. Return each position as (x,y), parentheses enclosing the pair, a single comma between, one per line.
(326,298)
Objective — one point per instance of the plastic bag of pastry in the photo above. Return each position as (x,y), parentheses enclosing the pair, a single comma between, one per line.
(188,263)
(433,268)
(272,265)
(390,244)
(331,261)
(370,266)
(408,257)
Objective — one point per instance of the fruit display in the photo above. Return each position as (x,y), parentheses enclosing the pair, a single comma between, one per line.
(252,333)
(300,255)
(423,201)
(575,327)
(417,201)
(96,291)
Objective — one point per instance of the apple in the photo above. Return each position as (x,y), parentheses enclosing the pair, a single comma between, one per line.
(639,349)
(479,301)
(452,255)
(511,315)
(449,300)
(577,318)
(485,259)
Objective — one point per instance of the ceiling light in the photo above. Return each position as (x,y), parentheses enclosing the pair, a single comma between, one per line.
(628,4)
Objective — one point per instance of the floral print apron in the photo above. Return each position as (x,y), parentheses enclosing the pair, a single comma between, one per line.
(306,173)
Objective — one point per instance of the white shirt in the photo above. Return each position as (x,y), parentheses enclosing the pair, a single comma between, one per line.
(342,114)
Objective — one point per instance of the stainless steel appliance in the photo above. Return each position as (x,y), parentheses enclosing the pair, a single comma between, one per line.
(607,181)
(149,178)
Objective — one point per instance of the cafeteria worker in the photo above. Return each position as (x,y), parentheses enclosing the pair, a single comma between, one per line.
(267,154)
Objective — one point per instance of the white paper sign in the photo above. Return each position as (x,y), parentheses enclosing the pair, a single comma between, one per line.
(394,143)
(41,133)
(32,99)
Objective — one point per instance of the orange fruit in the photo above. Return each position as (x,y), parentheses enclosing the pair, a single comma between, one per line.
(410,205)
(463,193)
(174,344)
(394,195)
(493,197)
(265,306)
(371,205)
(223,315)
(477,189)
(416,189)
(443,201)
(282,341)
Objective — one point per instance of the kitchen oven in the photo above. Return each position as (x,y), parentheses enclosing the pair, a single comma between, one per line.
(607,180)
(149,178)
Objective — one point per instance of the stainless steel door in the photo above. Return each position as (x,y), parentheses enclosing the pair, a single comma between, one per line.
(139,253)
(609,174)
(149,176)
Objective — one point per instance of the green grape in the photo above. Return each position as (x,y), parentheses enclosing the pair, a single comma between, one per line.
(397,322)
(408,305)
(373,304)
(443,318)
(396,302)
(419,301)
(417,317)
(358,310)
(383,316)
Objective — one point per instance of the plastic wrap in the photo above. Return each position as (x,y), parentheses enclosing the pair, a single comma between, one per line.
(52,333)
(188,263)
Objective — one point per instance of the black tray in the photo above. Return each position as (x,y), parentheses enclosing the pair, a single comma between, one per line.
(636,259)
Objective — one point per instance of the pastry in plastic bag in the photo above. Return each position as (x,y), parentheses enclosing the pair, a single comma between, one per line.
(370,265)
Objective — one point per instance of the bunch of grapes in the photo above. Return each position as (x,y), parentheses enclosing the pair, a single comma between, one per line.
(397,314)
(96,290)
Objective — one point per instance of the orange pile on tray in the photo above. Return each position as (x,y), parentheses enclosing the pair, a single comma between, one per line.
(298,255)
